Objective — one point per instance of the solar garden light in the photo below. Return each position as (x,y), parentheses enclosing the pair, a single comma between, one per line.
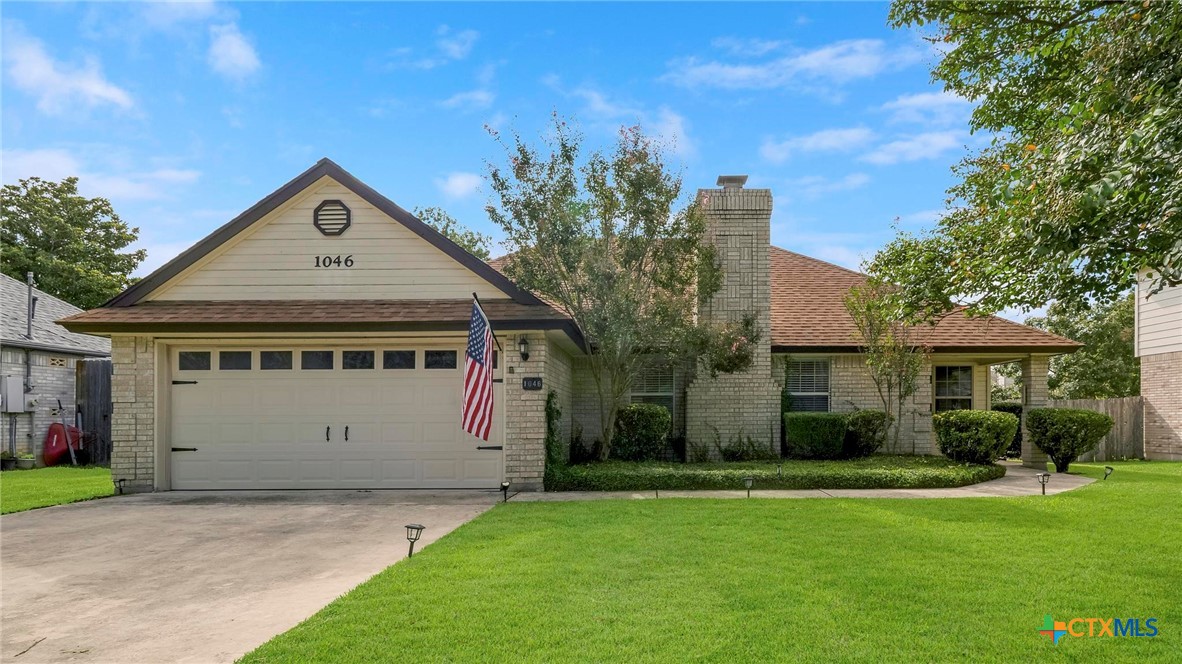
(523,347)
(505,492)
(749,480)
(1108,471)
(779,471)
(119,484)
(413,532)
(1043,478)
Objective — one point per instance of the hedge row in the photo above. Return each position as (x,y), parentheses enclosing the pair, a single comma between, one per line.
(879,472)
(835,435)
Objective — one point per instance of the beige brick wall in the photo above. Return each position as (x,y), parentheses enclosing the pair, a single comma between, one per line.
(133,419)
(741,405)
(1161,390)
(851,388)
(1035,394)
(559,379)
(525,410)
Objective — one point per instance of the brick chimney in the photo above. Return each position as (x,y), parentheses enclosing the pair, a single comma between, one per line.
(741,405)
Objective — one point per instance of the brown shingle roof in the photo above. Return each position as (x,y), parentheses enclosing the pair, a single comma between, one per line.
(808,312)
(315,315)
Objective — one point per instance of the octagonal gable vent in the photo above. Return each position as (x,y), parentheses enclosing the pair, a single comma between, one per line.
(331,218)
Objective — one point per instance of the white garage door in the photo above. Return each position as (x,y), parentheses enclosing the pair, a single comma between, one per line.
(325,418)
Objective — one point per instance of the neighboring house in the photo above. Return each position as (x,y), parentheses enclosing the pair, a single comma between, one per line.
(1159,345)
(317,341)
(38,364)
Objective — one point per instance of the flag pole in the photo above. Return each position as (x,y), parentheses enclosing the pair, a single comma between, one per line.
(494,335)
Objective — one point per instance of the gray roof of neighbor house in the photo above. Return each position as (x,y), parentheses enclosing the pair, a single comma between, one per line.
(47,335)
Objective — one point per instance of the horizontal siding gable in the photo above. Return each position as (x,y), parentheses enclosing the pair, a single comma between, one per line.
(1159,319)
(276,259)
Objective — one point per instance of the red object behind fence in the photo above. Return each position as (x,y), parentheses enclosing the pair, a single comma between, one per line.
(55,452)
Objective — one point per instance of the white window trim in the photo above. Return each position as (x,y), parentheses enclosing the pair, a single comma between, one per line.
(971,398)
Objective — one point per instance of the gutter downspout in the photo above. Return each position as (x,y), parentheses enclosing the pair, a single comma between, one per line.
(32,311)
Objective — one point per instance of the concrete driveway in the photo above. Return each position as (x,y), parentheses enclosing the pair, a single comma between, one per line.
(198,576)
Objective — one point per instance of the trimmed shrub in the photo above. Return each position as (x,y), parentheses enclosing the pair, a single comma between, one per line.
(974,436)
(1066,433)
(641,430)
(866,431)
(815,435)
(876,472)
(1013,408)
(745,448)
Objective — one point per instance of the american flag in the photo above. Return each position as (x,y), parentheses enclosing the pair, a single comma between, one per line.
(478,376)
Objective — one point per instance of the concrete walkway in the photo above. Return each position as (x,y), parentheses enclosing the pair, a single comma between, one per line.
(1018,481)
(198,576)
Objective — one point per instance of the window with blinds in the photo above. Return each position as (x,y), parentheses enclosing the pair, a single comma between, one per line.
(655,384)
(808,386)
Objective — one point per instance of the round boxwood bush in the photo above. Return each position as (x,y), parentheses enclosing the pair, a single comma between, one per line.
(866,431)
(1013,408)
(1066,433)
(974,436)
(815,435)
(641,430)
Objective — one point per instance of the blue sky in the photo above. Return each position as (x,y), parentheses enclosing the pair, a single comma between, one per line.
(186,114)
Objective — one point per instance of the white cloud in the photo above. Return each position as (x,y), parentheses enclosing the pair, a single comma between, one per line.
(59,87)
(663,123)
(922,218)
(459,184)
(470,100)
(750,46)
(230,54)
(827,140)
(812,186)
(834,63)
(939,108)
(56,164)
(456,45)
(673,130)
(928,145)
(166,15)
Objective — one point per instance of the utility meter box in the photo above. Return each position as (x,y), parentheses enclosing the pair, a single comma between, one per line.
(12,395)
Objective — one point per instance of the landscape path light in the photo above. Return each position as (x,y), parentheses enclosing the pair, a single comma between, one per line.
(504,492)
(749,481)
(1108,471)
(413,532)
(1043,478)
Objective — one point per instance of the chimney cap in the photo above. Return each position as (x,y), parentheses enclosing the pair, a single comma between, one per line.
(732,181)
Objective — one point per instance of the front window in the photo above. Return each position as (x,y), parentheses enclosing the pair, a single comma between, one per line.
(655,384)
(808,386)
(954,388)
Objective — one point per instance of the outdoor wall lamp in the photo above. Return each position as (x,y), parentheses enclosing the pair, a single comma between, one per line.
(523,347)
(505,492)
(413,532)
(749,481)
(1043,478)
(1108,471)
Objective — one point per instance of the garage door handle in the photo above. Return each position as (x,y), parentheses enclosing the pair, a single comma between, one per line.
(490,447)
(184,382)
(326,433)
(184,449)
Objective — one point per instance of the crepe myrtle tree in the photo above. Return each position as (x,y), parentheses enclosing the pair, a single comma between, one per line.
(608,239)
(894,355)
(1079,189)
(473,242)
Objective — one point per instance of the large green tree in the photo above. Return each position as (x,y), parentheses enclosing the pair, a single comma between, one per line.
(1080,188)
(76,246)
(1105,367)
(477,244)
(609,238)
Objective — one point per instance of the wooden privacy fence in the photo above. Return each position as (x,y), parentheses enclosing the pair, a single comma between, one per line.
(93,394)
(1127,438)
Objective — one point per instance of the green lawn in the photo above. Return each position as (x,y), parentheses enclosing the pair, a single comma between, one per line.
(880,471)
(22,490)
(777,580)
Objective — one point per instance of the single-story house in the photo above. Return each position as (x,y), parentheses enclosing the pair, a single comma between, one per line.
(1158,343)
(317,340)
(38,361)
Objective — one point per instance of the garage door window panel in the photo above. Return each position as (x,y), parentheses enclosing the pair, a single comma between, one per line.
(316,360)
(439,359)
(357,359)
(275,360)
(234,360)
(398,359)
(190,360)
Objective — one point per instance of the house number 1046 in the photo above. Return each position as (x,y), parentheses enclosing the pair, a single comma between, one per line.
(334,261)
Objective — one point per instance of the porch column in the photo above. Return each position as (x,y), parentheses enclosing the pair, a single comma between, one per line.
(1034,395)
